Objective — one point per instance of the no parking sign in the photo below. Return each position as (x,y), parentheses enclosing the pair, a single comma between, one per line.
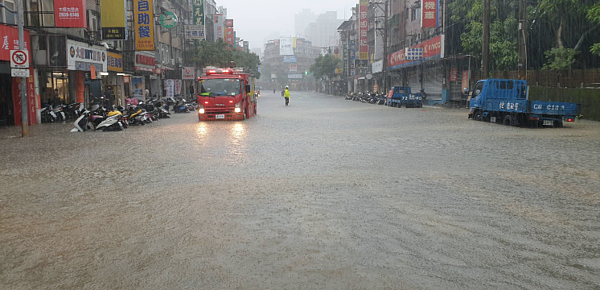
(19,59)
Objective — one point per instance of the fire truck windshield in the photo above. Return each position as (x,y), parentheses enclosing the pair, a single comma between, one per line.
(220,87)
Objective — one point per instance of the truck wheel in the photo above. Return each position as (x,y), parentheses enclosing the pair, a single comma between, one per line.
(508,121)
(478,115)
(557,124)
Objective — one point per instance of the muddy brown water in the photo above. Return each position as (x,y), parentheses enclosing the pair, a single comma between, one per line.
(323,194)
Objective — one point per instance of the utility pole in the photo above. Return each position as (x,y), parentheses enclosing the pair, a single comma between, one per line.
(385,45)
(522,36)
(23,84)
(485,50)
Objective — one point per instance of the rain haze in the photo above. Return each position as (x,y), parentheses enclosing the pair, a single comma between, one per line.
(257,21)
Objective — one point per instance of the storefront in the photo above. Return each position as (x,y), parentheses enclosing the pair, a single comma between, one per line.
(420,67)
(10,98)
(86,64)
(113,82)
(145,77)
(377,71)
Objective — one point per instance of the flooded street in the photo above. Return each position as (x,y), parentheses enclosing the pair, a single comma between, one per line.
(323,194)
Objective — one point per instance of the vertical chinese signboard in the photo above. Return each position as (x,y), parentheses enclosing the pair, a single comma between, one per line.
(219,20)
(430,13)
(143,20)
(229,36)
(70,13)
(113,19)
(363,28)
(198,6)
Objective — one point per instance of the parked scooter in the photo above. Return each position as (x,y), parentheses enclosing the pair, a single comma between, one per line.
(81,123)
(48,115)
(181,106)
(113,122)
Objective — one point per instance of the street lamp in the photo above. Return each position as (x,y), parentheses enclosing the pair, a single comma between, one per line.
(22,86)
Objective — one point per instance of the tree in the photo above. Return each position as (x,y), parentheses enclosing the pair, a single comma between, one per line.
(576,18)
(503,30)
(215,54)
(248,61)
(325,66)
(220,54)
(594,16)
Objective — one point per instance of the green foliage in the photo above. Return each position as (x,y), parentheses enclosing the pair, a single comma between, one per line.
(594,16)
(324,66)
(596,49)
(213,54)
(248,61)
(503,31)
(559,58)
(220,54)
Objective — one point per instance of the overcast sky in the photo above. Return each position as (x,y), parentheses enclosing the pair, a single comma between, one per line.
(255,20)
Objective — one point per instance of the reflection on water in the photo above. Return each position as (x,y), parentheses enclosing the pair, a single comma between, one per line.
(237,131)
(238,137)
(229,136)
(202,130)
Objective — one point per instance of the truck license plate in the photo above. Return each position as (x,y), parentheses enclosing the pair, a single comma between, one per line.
(548,123)
(219,116)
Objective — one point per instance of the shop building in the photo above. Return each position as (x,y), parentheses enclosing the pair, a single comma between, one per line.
(10,99)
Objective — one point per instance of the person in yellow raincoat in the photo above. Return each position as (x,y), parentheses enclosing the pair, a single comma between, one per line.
(286,95)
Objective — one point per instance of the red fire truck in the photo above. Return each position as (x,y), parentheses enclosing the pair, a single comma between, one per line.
(225,94)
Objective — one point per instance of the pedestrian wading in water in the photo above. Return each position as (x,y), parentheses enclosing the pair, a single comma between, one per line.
(286,95)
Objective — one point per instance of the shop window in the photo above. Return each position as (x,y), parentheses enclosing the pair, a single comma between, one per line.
(47,13)
(56,88)
(416,14)
(7,16)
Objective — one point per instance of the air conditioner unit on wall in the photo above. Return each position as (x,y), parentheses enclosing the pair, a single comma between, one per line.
(179,60)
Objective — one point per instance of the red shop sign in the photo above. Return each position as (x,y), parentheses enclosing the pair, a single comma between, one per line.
(9,40)
(145,60)
(70,13)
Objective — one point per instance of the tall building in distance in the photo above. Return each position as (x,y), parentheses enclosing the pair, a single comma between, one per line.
(302,20)
(323,29)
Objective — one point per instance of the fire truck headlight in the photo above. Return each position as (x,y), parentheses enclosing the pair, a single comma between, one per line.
(201,111)
(237,110)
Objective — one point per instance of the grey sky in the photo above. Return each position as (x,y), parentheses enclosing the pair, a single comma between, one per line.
(254,20)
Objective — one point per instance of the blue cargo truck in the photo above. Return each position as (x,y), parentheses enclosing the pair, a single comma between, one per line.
(402,96)
(507,102)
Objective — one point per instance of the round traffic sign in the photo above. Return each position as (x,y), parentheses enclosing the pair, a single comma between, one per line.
(168,19)
(19,57)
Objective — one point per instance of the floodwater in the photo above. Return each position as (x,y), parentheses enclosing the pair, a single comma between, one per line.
(323,194)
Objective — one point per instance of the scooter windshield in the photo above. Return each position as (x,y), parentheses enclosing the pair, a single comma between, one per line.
(220,87)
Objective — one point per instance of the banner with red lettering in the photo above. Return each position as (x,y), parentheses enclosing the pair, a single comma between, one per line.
(363,30)
(70,13)
(9,40)
(432,49)
(429,9)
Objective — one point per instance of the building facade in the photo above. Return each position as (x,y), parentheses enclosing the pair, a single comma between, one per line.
(81,50)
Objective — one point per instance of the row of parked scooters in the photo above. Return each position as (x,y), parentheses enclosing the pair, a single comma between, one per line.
(371,98)
(110,118)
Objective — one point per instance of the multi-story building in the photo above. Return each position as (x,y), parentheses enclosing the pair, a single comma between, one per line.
(322,29)
(291,70)
(302,20)
(415,49)
(77,55)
